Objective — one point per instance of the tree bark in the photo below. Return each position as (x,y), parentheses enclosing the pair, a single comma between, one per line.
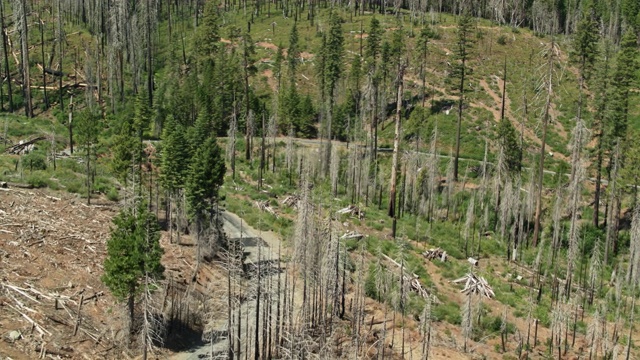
(6,56)
(396,145)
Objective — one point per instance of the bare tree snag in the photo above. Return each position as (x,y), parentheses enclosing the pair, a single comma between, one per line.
(545,122)
(396,145)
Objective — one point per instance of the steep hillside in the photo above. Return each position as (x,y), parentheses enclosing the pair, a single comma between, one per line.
(459,183)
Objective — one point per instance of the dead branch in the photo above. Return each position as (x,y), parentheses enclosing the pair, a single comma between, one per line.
(414,282)
(37,326)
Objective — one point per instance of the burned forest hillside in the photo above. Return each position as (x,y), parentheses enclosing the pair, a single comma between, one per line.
(284,179)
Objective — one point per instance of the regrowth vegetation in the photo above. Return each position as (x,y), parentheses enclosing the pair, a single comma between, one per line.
(365,134)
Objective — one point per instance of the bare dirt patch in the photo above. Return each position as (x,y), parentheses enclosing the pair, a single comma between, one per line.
(268,73)
(267,45)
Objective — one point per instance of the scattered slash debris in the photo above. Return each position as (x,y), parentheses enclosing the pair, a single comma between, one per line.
(264,206)
(414,282)
(436,253)
(291,201)
(353,211)
(474,262)
(352,235)
(475,285)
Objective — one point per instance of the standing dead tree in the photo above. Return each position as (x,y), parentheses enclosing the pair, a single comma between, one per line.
(551,55)
(20,12)
(396,149)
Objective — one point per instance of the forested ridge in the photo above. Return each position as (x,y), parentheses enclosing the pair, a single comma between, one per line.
(447,179)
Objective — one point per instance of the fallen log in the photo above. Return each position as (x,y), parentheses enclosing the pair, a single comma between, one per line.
(352,235)
(20,147)
(19,185)
(353,211)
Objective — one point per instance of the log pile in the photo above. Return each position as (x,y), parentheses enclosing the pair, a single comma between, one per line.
(264,206)
(474,284)
(352,210)
(413,282)
(436,253)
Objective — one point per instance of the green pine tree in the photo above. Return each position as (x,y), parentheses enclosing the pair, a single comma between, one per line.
(293,53)
(334,54)
(207,37)
(133,254)
(508,140)
(175,155)
(372,49)
(206,174)
(459,73)
(623,78)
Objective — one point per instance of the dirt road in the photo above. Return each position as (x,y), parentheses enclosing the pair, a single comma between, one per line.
(255,242)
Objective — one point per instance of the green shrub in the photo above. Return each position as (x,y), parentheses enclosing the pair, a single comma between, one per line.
(74,186)
(449,312)
(113,194)
(370,287)
(34,161)
(502,40)
(38,179)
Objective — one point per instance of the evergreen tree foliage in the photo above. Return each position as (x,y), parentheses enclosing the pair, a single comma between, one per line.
(397,47)
(623,78)
(123,147)
(385,59)
(334,53)
(175,155)
(293,53)
(374,38)
(128,147)
(277,66)
(631,12)
(133,253)
(459,72)
(585,45)
(508,140)
(462,50)
(207,37)
(206,174)
(297,113)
